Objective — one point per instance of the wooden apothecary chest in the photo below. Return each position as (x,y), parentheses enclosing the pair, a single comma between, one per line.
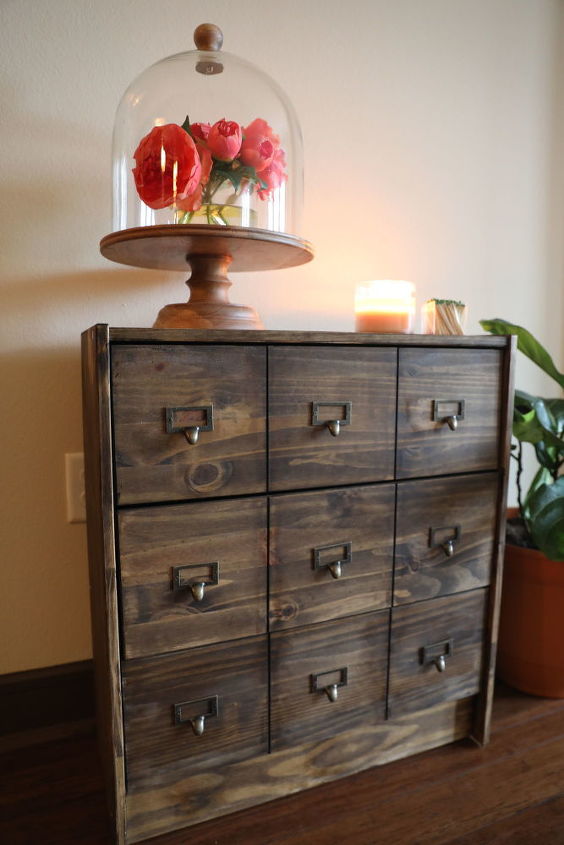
(295,547)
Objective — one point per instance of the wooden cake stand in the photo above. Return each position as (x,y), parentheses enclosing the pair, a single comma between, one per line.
(208,252)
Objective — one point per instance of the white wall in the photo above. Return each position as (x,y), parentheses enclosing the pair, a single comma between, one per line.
(432,130)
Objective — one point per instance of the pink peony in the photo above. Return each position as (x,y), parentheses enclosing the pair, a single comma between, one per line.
(273,175)
(200,131)
(224,140)
(194,201)
(259,144)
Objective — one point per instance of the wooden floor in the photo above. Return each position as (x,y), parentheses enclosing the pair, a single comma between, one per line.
(510,792)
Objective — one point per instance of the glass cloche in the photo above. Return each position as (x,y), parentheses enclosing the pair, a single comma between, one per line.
(207,164)
(206,137)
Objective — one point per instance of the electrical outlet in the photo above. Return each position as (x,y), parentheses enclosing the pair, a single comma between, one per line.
(76,495)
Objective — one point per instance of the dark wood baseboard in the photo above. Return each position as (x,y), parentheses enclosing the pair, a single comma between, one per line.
(42,704)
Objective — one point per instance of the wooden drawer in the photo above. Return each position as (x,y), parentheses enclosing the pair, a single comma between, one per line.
(434,386)
(306,663)
(444,536)
(160,393)
(310,534)
(168,552)
(453,627)
(164,696)
(314,385)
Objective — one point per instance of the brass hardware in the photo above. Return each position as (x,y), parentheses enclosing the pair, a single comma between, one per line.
(447,544)
(450,418)
(197,587)
(190,430)
(331,690)
(190,712)
(334,425)
(436,654)
(335,565)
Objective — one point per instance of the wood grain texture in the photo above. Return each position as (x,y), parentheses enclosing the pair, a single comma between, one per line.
(300,523)
(128,335)
(158,749)
(153,465)
(358,645)
(426,447)
(415,683)
(423,571)
(98,470)
(302,454)
(160,618)
(233,787)
(481,728)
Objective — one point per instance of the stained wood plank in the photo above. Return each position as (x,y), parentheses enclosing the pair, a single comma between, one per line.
(251,782)
(129,335)
(352,652)
(98,467)
(302,452)
(452,626)
(433,512)
(153,464)
(302,523)
(426,446)
(228,535)
(158,748)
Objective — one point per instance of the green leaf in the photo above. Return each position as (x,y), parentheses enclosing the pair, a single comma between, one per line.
(533,421)
(546,520)
(186,126)
(542,477)
(527,344)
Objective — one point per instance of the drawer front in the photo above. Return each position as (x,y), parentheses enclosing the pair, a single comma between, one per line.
(196,710)
(436,651)
(449,404)
(327,678)
(331,415)
(164,397)
(445,536)
(330,554)
(192,574)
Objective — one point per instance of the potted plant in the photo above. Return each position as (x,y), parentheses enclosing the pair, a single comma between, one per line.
(531,634)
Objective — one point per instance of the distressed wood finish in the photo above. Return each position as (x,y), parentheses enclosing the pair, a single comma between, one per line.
(300,523)
(430,511)
(304,455)
(234,787)
(127,335)
(318,656)
(222,501)
(482,720)
(428,447)
(153,465)
(159,617)
(416,683)
(157,748)
(98,468)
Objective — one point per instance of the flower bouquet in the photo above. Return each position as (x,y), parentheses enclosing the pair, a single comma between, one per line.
(209,173)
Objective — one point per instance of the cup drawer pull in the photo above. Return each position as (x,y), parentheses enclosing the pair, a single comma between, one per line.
(334,563)
(436,654)
(196,712)
(182,578)
(443,411)
(445,537)
(332,423)
(329,682)
(191,420)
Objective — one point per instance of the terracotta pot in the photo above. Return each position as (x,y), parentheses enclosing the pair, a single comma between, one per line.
(531,633)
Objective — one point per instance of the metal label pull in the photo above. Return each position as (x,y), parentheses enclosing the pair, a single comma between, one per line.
(183,578)
(436,654)
(196,713)
(190,420)
(448,411)
(322,559)
(445,537)
(333,424)
(329,682)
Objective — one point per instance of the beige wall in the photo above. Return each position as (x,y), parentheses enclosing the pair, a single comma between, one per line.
(431,136)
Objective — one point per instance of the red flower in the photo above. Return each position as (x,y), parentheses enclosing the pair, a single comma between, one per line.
(167,166)
(273,175)
(200,131)
(194,201)
(224,140)
(259,144)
